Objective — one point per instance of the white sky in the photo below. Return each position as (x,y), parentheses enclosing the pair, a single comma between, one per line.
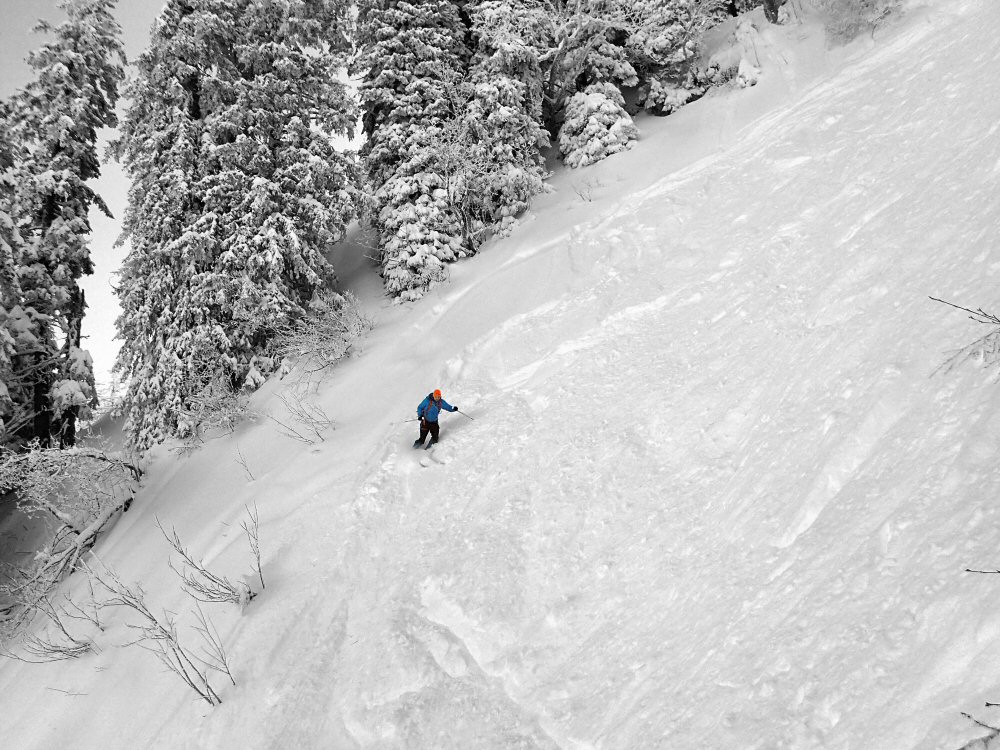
(16,40)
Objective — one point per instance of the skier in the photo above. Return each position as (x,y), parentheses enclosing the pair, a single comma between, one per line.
(428,412)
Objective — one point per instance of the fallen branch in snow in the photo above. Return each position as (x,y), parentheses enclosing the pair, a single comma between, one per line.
(30,588)
(57,643)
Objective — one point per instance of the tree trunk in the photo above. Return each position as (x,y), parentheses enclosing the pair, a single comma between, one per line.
(42,426)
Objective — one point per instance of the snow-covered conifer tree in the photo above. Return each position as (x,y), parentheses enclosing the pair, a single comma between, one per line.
(412,53)
(663,44)
(10,294)
(501,116)
(56,121)
(596,125)
(585,47)
(237,189)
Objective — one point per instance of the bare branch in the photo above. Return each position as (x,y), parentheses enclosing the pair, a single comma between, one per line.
(213,652)
(156,635)
(201,583)
(242,461)
(252,529)
(974,720)
(985,349)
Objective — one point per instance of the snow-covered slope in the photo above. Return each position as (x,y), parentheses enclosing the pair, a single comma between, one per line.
(712,497)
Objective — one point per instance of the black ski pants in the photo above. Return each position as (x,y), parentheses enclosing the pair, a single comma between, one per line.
(432,427)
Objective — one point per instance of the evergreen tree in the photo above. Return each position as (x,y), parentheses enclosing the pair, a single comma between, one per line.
(412,54)
(56,119)
(10,293)
(585,38)
(596,125)
(664,42)
(237,190)
(502,113)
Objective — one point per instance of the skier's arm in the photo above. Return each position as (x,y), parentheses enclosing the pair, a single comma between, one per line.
(448,406)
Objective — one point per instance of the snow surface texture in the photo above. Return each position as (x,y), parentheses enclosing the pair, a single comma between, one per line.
(712,496)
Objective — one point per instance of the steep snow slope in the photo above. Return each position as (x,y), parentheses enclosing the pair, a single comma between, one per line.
(713,495)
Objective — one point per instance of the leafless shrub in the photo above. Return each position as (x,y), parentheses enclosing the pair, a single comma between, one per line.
(56,643)
(985,350)
(252,529)
(31,599)
(324,336)
(213,404)
(157,634)
(213,651)
(584,189)
(313,422)
(242,461)
(201,583)
(45,648)
(91,614)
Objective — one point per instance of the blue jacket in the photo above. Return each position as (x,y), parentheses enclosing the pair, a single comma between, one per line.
(429,409)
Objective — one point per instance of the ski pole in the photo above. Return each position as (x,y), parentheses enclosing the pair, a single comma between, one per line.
(465,415)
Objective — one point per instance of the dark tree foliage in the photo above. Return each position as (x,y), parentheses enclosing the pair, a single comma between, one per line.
(53,124)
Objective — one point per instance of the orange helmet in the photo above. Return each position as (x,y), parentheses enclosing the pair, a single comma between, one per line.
(437,393)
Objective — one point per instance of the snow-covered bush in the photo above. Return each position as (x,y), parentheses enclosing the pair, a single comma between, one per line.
(214,403)
(324,335)
(846,19)
(736,60)
(596,126)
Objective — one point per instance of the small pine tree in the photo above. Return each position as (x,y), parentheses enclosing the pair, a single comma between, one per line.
(596,126)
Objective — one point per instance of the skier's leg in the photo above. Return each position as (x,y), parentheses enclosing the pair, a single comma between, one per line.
(423,434)
(435,432)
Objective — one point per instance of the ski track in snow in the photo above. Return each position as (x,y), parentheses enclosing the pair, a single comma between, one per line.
(711,496)
(680,548)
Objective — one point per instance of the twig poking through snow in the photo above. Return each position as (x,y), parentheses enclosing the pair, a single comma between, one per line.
(252,529)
